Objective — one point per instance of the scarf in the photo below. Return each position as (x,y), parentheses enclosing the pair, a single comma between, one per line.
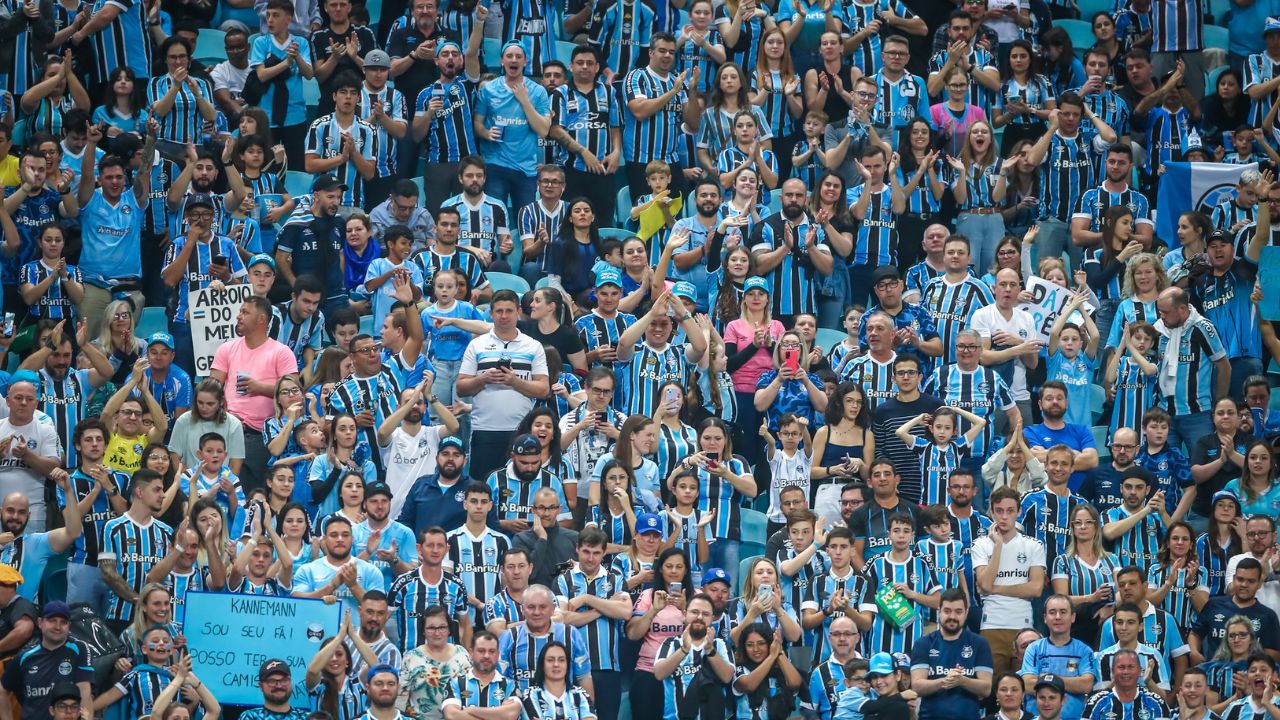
(1168,377)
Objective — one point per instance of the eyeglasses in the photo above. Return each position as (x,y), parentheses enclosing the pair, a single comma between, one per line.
(368,349)
(1258,533)
(905,373)
(68,706)
(277,680)
(967,347)
(958,86)
(546,508)
(852,503)
(842,633)
(200,215)
(1124,446)
(130,413)
(290,391)
(123,315)
(1008,252)
(894,53)
(602,391)
(1239,636)
(865,95)
(437,628)
(550,181)
(1082,523)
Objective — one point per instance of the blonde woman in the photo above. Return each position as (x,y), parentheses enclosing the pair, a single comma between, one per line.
(117,340)
(1086,572)
(748,342)
(1144,279)
(767,606)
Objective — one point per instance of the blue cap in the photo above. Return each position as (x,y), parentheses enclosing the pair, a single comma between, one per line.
(1272,25)
(262,259)
(755,282)
(649,523)
(526,445)
(685,289)
(163,338)
(881,664)
(1226,495)
(56,608)
(711,575)
(446,44)
(609,276)
(452,442)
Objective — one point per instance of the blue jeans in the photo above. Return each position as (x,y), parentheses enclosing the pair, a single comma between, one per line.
(1054,240)
(443,386)
(725,555)
(1242,368)
(984,233)
(1199,523)
(511,186)
(184,356)
(84,585)
(1184,430)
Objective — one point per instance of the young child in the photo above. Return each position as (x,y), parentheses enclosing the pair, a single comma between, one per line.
(913,577)
(1073,359)
(800,564)
(835,592)
(687,525)
(379,278)
(809,158)
(50,286)
(1132,377)
(610,256)
(940,453)
(791,465)
(211,478)
(943,553)
(658,175)
(243,228)
(446,342)
(1166,462)
(309,438)
(1242,139)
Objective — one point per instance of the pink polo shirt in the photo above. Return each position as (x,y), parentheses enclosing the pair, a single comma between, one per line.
(268,362)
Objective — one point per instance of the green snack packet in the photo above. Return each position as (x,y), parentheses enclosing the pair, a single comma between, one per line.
(894,608)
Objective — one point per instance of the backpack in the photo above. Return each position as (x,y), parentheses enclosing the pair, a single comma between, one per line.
(101,646)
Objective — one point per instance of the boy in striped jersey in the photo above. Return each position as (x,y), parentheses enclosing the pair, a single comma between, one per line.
(834,597)
(910,577)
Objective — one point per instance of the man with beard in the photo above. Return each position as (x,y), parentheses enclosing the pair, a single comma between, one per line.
(1260,532)
(550,545)
(32,677)
(1010,341)
(967,525)
(951,666)
(689,261)
(311,244)
(253,363)
(28,448)
(442,114)
(382,689)
(482,694)
(373,622)
(791,251)
(409,447)
(659,106)
(1055,431)
(1210,629)
(506,610)
(379,539)
(1223,296)
(434,499)
(1126,698)
(969,386)
(680,657)
(276,683)
(1133,528)
(1086,223)
(371,393)
(337,576)
(29,552)
(843,668)
(913,326)
(893,413)
(484,224)
(873,371)
(522,645)
(1061,656)
(198,177)
(643,366)
(97,490)
(64,393)
(132,544)
(427,585)
(853,497)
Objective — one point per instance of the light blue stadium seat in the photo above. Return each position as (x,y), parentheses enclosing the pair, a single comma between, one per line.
(1216,37)
(754,526)
(1080,32)
(298,183)
(506,281)
(153,320)
(744,566)
(209,46)
(1100,439)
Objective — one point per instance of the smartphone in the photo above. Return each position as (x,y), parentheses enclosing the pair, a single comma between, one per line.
(764,593)
(218,260)
(505,363)
(713,460)
(9,320)
(791,360)
(602,416)
(676,587)
(671,396)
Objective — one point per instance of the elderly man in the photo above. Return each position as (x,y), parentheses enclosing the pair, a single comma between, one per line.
(521,645)
(548,544)
(28,448)
(981,390)
(1126,698)
(873,371)
(914,329)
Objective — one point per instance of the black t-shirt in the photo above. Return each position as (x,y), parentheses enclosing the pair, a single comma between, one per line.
(9,617)
(421,73)
(888,417)
(564,339)
(1204,451)
(320,50)
(37,671)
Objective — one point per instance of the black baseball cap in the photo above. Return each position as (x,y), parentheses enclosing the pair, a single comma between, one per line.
(885,272)
(272,668)
(327,182)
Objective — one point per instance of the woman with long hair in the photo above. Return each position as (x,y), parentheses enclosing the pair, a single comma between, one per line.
(1144,280)
(183,96)
(333,365)
(1213,471)
(777,91)
(953,116)
(827,205)
(849,346)
(637,273)
(154,608)
(615,514)
(291,407)
(280,486)
(1230,661)
(331,679)
(727,486)
(744,151)
(208,414)
(748,341)
(924,202)
(1106,41)
(294,526)
(714,388)
(157,457)
(1014,466)
(1013,253)
(828,84)
(1086,573)
(58,92)
(1257,489)
(429,668)
(208,519)
(124,104)
(698,45)
(340,459)
(1061,66)
(728,277)
(1226,107)
(1177,583)
(676,440)
(1021,207)
(117,339)
(350,499)
(980,188)
(730,97)
(768,606)
(574,249)
(843,447)
(552,694)
(1224,539)
(1010,694)
(764,672)
(542,424)
(658,615)
(637,439)
(1194,229)
(744,199)
(1105,266)
(1025,98)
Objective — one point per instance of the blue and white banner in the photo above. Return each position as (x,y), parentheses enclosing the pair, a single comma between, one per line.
(1193,186)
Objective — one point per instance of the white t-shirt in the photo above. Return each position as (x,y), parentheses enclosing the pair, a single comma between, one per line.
(229,77)
(41,438)
(786,471)
(408,457)
(987,321)
(500,408)
(1019,555)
